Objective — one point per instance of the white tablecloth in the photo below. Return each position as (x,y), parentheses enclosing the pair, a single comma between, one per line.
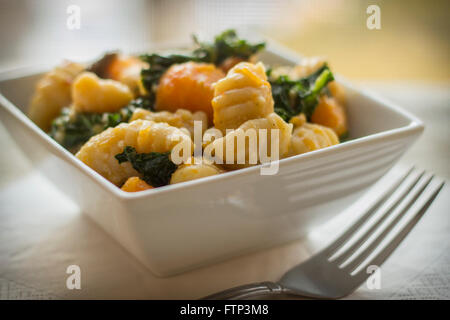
(42,233)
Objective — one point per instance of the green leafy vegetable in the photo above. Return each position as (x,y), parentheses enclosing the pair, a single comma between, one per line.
(141,102)
(156,168)
(344,137)
(225,45)
(292,97)
(72,130)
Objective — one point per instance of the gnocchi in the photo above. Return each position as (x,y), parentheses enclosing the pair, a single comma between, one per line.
(135,184)
(52,93)
(305,67)
(122,68)
(244,133)
(92,94)
(183,119)
(244,94)
(193,170)
(309,137)
(146,136)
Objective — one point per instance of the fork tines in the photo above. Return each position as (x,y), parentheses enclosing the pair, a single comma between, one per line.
(381,228)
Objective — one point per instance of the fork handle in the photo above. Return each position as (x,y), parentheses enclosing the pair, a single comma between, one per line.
(247,291)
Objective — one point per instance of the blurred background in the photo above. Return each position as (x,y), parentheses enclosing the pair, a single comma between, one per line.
(413,42)
(407,60)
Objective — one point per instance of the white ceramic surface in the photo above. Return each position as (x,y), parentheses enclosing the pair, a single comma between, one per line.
(176,228)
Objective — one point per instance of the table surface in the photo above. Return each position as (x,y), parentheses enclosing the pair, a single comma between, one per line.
(42,233)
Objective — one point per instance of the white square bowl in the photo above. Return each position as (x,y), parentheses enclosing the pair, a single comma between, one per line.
(179,227)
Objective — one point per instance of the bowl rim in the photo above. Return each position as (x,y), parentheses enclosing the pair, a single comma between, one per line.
(415,125)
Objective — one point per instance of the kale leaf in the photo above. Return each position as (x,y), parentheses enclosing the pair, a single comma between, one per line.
(142,102)
(225,45)
(72,130)
(292,97)
(156,168)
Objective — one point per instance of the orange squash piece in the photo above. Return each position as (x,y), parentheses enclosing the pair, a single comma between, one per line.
(331,114)
(135,184)
(188,86)
(118,65)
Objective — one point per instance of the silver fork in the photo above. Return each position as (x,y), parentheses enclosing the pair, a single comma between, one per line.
(340,268)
